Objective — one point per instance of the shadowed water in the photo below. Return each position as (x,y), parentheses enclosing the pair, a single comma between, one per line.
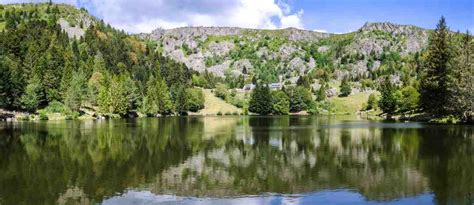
(236,160)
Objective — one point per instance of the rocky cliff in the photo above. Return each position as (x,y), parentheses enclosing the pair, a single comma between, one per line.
(287,53)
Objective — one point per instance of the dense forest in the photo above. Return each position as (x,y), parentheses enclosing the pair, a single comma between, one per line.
(115,74)
(106,69)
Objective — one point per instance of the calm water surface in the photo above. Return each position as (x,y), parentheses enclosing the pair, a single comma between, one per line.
(236,160)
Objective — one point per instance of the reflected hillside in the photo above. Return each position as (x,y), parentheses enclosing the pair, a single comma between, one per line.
(88,162)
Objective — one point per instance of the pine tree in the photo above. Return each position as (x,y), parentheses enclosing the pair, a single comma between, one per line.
(69,68)
(181,103)
(6,98)
(76,91)
(388,100)
(434,82)
(281,103)
(461,82)
(30,100)
(119,102)
(345,88)
(261,100)
(321,95)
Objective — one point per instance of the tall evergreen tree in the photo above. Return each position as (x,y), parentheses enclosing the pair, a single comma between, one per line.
(30,100)
(181,103)
(388,100)
(345,88)
(69,68)
(261,100)
(461,82)
(76,91)
(434,81)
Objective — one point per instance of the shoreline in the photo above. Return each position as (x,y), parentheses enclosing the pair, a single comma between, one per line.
(13,116)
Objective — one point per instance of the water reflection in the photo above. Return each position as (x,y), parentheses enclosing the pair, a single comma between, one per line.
(227,159)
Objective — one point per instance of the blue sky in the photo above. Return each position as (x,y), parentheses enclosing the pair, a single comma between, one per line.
(346,15)
(335,16)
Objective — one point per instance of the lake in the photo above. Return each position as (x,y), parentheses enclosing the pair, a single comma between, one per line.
(236,160)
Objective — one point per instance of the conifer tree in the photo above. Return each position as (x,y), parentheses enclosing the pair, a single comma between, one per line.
(345,88)
(461,82)
(30,100)
(321,95)
(388,100)
(434,81)
(181,103)
(261,100)
(76,91)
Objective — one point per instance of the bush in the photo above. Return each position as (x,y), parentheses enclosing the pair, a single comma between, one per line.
(345,88)
(228,113)
(221,91)
(43,116)
(371,102)
(56,107)
(219,113)
(261,100)
(235,113)
(281,103)
(24,118)
(300,98)
(194,99)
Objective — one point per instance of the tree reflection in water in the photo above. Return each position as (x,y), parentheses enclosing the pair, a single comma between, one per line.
(90,161)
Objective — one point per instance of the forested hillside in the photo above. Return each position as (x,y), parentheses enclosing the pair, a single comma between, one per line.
(56,58)
(45,62)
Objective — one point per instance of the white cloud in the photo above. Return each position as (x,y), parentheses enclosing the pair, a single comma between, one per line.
(320,30)
(293,20)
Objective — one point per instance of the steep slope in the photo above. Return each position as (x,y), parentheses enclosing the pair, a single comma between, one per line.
(72,20)
(289,53)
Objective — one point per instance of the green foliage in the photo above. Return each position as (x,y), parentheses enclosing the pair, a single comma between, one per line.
(372,102)
(389,99)
(76,91)
(56,107)
(199,81)
(321,94)
(436,71)
(281,103)
(30,100)
(43,116)
(410,99)
(157,99)
(300,98)
(181,103)
(114,96)
(261,100)
(345,88)
(316,108)
(221,91)
(195,99)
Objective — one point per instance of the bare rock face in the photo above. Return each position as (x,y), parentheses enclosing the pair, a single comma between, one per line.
(241,50)
(221,48)
(243,65)
(75,31)
(408,38)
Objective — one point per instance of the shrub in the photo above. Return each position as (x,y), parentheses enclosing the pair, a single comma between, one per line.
(281,103)
(194,99)
(345,88)
(43,116)
(371,102)
(228,113)
(219,113)
(221,91)
(56,107)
